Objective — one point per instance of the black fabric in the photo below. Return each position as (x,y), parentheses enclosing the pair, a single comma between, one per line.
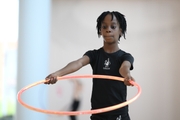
(74,107)
(108,92)
(115,117)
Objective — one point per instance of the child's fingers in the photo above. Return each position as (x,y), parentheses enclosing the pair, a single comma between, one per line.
(128,82)
(50,80)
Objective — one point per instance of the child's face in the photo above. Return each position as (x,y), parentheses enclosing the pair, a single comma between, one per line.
(110,29)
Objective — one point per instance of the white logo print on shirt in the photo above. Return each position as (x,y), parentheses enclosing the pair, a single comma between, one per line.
(107,64)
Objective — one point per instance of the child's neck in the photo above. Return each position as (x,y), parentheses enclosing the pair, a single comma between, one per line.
(111,48)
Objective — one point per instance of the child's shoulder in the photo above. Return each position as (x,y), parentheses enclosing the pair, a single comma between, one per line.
(123,51)
(96,50)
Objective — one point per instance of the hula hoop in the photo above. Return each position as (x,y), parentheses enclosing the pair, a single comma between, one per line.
(95,111)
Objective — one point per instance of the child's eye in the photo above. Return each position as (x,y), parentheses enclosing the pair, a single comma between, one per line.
(104,27)
(113,27)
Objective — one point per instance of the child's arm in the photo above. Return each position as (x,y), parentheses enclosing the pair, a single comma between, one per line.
(69,68)
(125,72)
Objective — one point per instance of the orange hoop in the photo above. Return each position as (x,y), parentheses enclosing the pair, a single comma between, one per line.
(95,111)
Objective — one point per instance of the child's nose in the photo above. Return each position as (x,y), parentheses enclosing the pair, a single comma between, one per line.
(108,30)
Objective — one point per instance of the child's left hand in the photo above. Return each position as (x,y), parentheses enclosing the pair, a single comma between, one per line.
(128,79)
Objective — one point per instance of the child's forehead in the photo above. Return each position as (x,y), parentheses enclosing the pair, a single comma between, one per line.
(110,18)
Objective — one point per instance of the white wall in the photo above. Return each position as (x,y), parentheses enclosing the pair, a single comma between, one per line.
(152,38)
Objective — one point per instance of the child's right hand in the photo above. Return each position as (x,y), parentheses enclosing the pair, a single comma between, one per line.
(51,79)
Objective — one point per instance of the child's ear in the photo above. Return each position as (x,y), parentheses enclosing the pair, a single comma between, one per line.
(100,32)
(120,32)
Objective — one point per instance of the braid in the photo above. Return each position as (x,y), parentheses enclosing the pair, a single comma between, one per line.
(120,18)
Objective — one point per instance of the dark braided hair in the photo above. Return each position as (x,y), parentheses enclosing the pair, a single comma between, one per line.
(120,18)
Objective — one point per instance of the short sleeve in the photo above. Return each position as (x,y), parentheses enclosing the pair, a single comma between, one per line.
(91,55)
(130,58)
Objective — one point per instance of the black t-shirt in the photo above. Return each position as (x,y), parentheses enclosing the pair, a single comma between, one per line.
(108,92)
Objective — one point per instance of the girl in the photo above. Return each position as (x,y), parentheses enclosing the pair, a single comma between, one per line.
(107,60)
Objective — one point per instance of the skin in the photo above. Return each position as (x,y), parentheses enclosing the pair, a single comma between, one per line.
(110,31)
